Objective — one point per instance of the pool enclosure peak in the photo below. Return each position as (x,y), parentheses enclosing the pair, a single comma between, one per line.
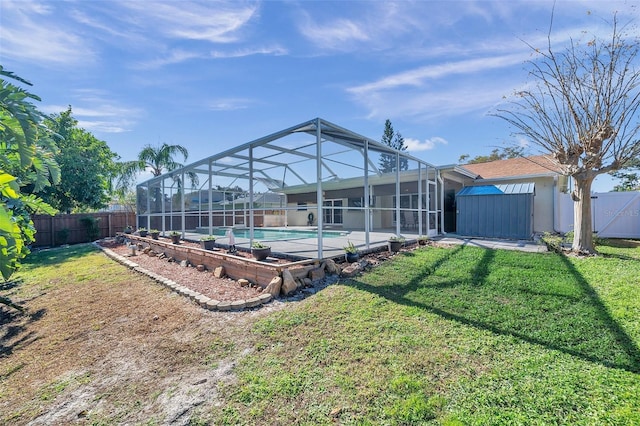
(315,175)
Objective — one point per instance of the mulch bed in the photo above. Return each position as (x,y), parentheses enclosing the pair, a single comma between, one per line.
(222,289)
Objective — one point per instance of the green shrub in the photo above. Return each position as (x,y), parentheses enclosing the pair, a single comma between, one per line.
(62,236)
(90,224)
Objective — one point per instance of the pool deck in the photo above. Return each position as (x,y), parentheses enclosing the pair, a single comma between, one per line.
(307,248)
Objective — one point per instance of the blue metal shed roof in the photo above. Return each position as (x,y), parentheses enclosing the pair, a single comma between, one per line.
(503,189)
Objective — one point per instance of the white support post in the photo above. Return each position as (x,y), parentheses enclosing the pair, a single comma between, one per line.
(367,218)
(251,223)
(319,197)
(182,212)
(398,220)
(224,208)
(440,186)
(162,208)
(148,206)
(210,199)
(420,197)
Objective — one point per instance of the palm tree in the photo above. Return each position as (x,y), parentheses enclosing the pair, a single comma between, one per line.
(156,159)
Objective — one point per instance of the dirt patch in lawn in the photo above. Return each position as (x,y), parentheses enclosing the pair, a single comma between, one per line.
(100,343)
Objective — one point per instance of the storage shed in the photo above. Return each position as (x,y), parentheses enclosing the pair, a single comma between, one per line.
(496,211)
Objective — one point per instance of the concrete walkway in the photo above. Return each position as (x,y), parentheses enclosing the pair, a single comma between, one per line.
(521,245)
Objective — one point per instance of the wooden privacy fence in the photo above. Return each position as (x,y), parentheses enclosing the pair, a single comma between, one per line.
(70,229)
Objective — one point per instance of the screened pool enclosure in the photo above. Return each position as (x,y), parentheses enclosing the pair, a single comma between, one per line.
(307,189)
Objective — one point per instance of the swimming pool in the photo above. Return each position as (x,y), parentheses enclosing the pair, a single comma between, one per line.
(278,234)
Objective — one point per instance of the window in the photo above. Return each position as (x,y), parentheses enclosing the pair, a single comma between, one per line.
(332,211)
(358,202)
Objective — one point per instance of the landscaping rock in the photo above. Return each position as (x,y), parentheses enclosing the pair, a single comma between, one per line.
(238,305)
(253,302)
(331,268)
(200,268)
(219,272)
(243,282)
(274,287)
(307,282)
(224,306)
(146,250)
(202,300)
(265,297)
(289,284)
(317,274)
(212,304)
(351,270)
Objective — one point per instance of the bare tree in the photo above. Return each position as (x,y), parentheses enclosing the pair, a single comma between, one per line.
(582,108)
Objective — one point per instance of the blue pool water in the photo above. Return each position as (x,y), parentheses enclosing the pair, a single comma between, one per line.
(278,234)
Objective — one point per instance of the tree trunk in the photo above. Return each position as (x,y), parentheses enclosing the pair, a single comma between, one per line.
(582,224)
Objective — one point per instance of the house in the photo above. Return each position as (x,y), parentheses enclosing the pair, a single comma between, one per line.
(511,179)
(318,175)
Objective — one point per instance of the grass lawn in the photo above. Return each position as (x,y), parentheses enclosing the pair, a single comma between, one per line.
(455,336)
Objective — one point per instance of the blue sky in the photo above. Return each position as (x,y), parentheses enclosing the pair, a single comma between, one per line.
(213,75)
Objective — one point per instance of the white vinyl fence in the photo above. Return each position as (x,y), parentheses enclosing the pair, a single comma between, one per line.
(615,214)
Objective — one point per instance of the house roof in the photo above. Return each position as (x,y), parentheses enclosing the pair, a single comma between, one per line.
(537,165)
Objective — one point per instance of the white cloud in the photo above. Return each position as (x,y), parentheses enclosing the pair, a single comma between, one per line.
(178,56)
(96,112)
(228,104)
(336,35)
(241,53)
(414,145)
(29,34)
(106,126)
(173,57)
(417,77)
(217,22)
(446,99)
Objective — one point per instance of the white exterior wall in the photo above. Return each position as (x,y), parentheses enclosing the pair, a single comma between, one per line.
(297,217)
